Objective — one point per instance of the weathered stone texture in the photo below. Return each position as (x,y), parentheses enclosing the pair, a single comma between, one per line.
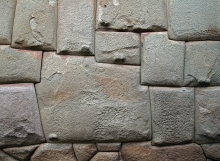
(76,27)
(131,15)
(117,47)
(194,20)
(7,9)
(107,147)
(5,157)
(172,115)
(19,116)
(212,151)
(162,60)
(106,156)
(84,152)
(35,25)
(207,115)
(81,100)
(202,63)
(18,66)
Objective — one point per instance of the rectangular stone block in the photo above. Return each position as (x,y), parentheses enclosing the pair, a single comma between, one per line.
(35,25)
(117,47)
(193,19)
(76,27)
(172,115)
(162,60)
(107,147)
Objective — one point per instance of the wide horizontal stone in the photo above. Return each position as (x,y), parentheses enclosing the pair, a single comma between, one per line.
(35,25)
(131,15)
(84,152)
(18,66)
(108,147)
(19,116)
(212,151)
(106,156)
(5,157)
(76,27)
(81,100)
(117,47)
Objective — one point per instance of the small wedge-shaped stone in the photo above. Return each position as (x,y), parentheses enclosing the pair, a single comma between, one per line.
(5,157)
(212,151)
(106,156)
(35,25)
(108,147)
(84,152)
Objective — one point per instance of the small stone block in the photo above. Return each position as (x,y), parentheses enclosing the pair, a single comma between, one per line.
(108,147)
(212,151)
(106,156)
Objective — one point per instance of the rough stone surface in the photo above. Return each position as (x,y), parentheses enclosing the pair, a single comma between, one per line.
(172,115)
(53,152)
(81,100)
(105,147)
(117,47)
(131,15)
(7,9)
(106,156)
(202,63)
(76,27)
(35,25)
(143,151)
(84,152)
(18,66)
(207,117)
(19,116)
(21,153)
(212,151)
(194,20)
(5,157)
(162,60)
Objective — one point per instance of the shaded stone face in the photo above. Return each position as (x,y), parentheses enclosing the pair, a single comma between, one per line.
(107,147)
(84,152)
(212,151)
(106,156)
(5,157)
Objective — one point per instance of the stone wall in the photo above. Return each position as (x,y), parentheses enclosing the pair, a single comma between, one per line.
(110,80)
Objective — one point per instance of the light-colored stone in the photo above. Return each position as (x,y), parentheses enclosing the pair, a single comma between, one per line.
(202,65)
(131,15)
(5,157)
(84,152)
(35,25)
(76,27)
(207,117)
(106,156)
(7,10)
(172,115)
(212,151)
(108,147)
(162,60)
(19,66)
(81,100)
(117,47)
(54,152)
(194,19)
(19,116)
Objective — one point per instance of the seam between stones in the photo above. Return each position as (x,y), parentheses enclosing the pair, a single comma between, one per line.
(151,117)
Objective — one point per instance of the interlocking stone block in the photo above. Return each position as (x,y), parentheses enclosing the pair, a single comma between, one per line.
(202,65)
(35,25)
(7,10)
(172,115)
(212,151)
(107,147)
(106,156)
(19,66)
(193,20)
(117,47)
(207,115)
(81,100)
(76,27)
(5,157)
(162,60)
(84,152)
(131,15)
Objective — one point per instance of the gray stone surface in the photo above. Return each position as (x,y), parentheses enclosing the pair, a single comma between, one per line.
(207,116)
(212,151)
(162,60)
(202,63)
(7,10)
(117,47)
(35,25)
(81,100)
(131,15)
(76,27)
(19,116)
(106,156)
(84,152)
(172,115)
(18,66)
(5,157)
(105,147)
(193,20)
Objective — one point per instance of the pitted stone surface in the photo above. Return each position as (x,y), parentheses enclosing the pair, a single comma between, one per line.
(19,116)
(207,117)
(76,27)
(19,66)
(107,147)
(202,65)
(35,25)
(172,115)
(117,47)
(131,15)
(5,157)
(106,156)
(84,152)
(193,20)
(212,151)
(162,60)
(81,100)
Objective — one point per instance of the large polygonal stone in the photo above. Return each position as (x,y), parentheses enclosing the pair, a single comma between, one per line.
(212,151)
(81,100)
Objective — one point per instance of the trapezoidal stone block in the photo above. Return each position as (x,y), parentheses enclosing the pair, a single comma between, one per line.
(106,156)
(81,100)
(35,25)
(212,151)
(84,152)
